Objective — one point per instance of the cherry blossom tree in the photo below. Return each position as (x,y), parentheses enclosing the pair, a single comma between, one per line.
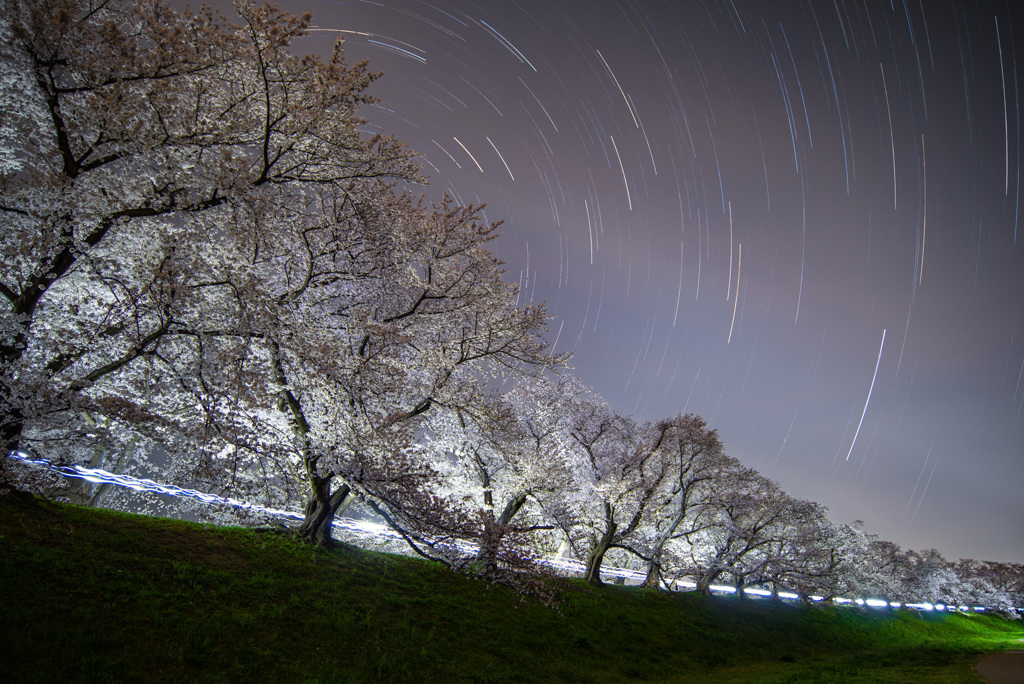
(131,133)
(505,458)
(695,460)
(207,253)
(744,519)
(618,469)
(992,585)
(1007,578)
(812,555)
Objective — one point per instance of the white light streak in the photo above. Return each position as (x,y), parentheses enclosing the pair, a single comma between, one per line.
(397,50)
(629,199)
(625,99)
(1006,120)
(446,152)
(679,295)
(868,400)
(728,288)
(469,153)
(542,107)
(590,230)
(924,492)
(559,335)
(502,158)
(892,143)
(508,45)
(924,209)
(735,301)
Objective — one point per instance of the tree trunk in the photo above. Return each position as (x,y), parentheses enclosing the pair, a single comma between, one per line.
(320,512)
(487,555)
(704,581)
(596,556)
(654,577)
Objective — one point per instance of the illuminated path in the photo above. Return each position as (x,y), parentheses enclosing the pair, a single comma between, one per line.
(1002,668)
(367,528)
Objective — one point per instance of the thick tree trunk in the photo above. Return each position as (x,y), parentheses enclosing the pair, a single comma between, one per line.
(596,556)
(704,581)
(511,508)
(654,575)
(320,512)
(740,586)
(487,555)
(653,579)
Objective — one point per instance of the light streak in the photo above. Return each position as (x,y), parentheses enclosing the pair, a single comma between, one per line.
(397,50)
(542,107)
(446,152)
(679,295)
(696,296)
(906,332)
(892,142)
(555,343)
(469,153)
(799,86)
(924,209)
(803,249)
(924,492)
(789,111)
(868,400)
(735,301)
(480,93)
(629,199)
(590,230)
(503,160)
(785,439)
(646,140)
(1006,120)
(98,475)
(386,46)
(508,45)
(921,476)
(728,288)
(625,99)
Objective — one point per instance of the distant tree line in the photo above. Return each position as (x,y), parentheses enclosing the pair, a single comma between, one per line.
(210,272)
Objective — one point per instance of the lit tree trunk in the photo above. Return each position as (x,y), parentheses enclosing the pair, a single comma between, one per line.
(320,511)
(597,551)
(704,580)
(654,576)
(488,554)
(740,585)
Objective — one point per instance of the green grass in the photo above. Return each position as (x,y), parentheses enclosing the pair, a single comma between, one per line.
(99,596)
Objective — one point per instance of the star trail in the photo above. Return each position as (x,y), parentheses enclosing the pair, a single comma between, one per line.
(727,204)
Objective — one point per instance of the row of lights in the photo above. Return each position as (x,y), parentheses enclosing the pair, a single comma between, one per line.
(369,528)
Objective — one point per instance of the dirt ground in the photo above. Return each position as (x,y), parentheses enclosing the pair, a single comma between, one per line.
(1002,668)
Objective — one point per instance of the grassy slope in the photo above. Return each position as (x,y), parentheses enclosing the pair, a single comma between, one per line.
(99,596)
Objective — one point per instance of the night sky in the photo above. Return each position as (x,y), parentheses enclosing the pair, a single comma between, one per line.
(798,220)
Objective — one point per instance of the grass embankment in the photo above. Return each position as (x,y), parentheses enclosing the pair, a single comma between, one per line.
(98,596)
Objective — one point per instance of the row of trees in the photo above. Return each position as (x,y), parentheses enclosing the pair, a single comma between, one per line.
(553,463)
(205,257)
